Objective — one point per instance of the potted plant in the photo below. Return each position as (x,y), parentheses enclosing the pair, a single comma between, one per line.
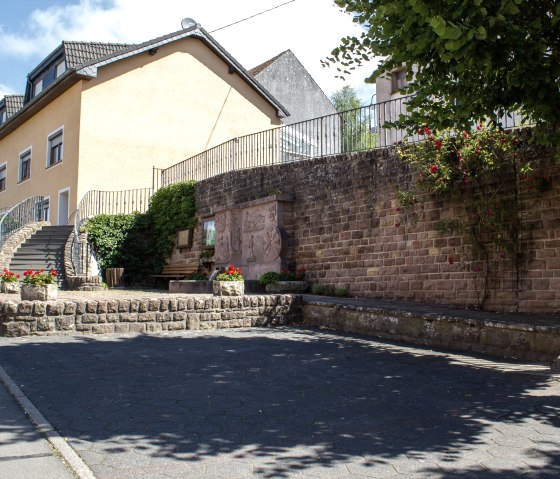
(229,283)
(10,282)
(284,282)
(39,285)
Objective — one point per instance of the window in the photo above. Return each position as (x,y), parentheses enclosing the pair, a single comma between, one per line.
(209,232)
(3,172)
(398,80)
(2,115)
(37,87)
(60,68)
(25,166)
(55,149)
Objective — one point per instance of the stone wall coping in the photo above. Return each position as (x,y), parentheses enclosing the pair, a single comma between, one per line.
(514,321)
(283,198)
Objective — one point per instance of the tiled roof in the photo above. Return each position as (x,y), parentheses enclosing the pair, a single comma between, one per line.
(263,66)
(14,103)
(78,53)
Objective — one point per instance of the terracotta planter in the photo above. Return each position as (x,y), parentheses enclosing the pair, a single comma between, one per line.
(11,288)
(34,292)
(228,288)
(286,287)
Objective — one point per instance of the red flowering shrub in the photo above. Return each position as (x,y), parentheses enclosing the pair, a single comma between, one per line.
(40,277)
(231,274)
(9,277)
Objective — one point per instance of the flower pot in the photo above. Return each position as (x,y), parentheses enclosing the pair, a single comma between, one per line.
(228,288)
(11,288)
(35,292)
(284,287)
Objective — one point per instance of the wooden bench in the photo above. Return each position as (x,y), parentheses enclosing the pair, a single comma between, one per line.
(175,271)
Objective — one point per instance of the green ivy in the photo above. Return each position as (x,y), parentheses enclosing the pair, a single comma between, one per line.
(141,243)
(171,208)
(108,234)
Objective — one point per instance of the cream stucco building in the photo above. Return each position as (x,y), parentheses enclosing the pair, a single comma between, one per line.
(99,116)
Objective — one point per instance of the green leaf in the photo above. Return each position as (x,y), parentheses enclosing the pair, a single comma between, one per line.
(480,33)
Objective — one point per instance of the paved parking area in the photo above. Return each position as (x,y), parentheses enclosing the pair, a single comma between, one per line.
(288,403)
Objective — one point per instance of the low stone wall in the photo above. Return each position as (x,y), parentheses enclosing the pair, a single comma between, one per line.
(12,244)
(443,330)
(22,318)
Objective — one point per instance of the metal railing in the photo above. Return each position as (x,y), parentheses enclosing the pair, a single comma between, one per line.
(360,129)
(96,202)
(30,210)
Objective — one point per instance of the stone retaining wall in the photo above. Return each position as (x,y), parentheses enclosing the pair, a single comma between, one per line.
(348,231)
(146,315)
(494,337)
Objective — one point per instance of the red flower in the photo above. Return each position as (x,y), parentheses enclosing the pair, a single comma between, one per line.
(479,127)
(437,144)
(398,209)
(450,260)
(397,225)
(465,134)
(427,131)
(434,169)
(478,150)
(17,276)
(420,131)
(431,138)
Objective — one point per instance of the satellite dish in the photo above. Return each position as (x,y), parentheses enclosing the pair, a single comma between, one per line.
(187,23)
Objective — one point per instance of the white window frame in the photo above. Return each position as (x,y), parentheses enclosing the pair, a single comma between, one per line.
(60,68)
(3,115)
(50,137)
(4,166)
(24,153)
(37,86)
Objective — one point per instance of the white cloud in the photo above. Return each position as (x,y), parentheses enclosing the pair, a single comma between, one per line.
(5,90)
(310,28)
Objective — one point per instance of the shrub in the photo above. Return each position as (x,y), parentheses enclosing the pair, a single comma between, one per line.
(140,243)
(9,277)
(171,208)
(40,277)
(341,292)
(231,274)
(319,288)
(197,277)
(269,278)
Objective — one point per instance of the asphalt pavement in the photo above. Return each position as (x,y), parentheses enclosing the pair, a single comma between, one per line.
(281,403)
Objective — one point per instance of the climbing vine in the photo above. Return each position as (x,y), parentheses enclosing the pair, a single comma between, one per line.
(482,173)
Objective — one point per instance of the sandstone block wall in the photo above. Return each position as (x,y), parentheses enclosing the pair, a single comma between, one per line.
(347,232)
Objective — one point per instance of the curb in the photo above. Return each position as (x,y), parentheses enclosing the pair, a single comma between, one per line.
(75,462)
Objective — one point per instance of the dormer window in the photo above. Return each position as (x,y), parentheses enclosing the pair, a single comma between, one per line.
(2,115)
(60,68)
(37,86)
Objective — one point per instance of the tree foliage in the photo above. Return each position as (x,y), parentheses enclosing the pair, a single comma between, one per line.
(356,122)
(346,99)
(475,59)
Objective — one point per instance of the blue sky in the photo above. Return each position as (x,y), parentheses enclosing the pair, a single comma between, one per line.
(31,29)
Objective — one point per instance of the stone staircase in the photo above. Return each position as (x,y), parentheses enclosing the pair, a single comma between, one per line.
(44,249)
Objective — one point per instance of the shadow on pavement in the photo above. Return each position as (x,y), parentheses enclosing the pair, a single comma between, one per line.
(299,396)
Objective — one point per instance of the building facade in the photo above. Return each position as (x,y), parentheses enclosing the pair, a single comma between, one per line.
(99,116)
